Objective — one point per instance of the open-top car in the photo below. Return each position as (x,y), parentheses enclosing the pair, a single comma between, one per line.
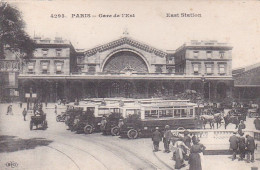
(39,119)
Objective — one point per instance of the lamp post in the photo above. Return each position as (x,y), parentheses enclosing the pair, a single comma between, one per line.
(203,79)
(203,85)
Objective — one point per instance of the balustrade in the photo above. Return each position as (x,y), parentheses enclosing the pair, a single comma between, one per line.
(9,65)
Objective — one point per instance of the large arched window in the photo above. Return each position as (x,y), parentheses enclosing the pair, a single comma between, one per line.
(125,61)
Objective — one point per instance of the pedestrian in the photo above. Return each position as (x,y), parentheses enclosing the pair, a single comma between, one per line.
(46,102)
(179,153)
(193,138)
(167,135)
(196,155)
(233,140)
(156,138)
(24,114)
(257,123)
(241,126)
(21,104)
(55,109)
(9,110)
(250,148)
(242,146)
(187,139)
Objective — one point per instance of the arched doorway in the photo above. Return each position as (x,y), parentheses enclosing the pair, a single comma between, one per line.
(125,61)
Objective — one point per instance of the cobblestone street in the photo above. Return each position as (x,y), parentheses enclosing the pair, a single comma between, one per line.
(62,149)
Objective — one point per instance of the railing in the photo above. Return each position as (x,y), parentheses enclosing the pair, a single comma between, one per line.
(9,65)
(217,139)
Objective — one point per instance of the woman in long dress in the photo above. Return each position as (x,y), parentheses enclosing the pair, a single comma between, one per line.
(178,152)
(196,155)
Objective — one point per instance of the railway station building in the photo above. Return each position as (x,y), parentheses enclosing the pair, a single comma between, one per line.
(126,68)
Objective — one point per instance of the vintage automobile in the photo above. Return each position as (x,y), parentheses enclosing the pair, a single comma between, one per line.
(38,119)
(88,119)
(72,113)
(177,114)
(110,124)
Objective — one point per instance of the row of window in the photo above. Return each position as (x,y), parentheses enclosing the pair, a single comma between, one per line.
(45,52)
(209,54)
(44,68)
(176,113)
(209,68)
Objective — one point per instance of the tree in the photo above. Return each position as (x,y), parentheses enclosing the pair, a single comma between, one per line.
(12,34)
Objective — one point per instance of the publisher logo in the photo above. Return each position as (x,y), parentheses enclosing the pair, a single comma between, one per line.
(11,164)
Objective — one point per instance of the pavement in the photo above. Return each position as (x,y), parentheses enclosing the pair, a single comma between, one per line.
(58,148)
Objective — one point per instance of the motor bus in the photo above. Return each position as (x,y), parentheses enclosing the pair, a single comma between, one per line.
(178,115)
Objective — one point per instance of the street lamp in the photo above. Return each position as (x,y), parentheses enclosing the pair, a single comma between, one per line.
(203,79)
(203,85)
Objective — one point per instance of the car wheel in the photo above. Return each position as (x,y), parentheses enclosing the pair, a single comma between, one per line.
(115,131)
(88,129)
(132,134)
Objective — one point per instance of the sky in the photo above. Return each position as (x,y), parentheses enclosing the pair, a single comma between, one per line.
(233,22)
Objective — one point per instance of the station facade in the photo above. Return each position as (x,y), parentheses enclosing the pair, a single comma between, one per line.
(126,68)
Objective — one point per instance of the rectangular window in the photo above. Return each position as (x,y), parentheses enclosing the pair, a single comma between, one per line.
(191,113)
(183,113)
(209,54)
(221,69)
(195,54)
(58,68)
(151,114)
(44,52)
(177,113)
(58,52)
(45,67)
(30,67)
(196,68)
(209,69)
(221,54)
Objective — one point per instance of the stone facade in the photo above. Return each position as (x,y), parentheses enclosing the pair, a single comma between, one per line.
(125,68)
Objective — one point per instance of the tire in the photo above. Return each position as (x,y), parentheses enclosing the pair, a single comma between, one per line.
(31,125)
(88,129)
(132,134)
(115,131)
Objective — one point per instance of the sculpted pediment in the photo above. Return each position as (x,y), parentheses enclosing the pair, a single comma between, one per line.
(123,41)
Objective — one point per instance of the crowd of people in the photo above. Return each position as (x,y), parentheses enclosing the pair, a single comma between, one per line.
(242,144)
(184,148)
(187,147)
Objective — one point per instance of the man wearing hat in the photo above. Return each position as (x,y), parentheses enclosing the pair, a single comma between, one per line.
(167,138)
(242,146)
(250,148)
(187,139)
(233,140)
(156,138)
